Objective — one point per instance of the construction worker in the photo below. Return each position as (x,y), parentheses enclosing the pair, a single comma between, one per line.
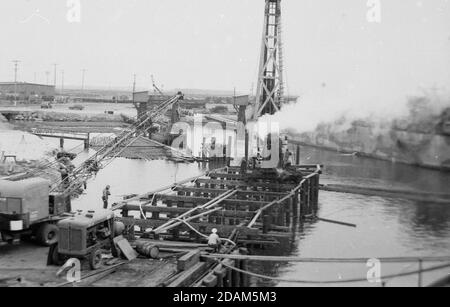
(105,197)
(214,241)
(287,159)
(244,166)
(62,167)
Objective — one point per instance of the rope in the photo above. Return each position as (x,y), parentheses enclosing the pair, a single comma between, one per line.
(435,268)
(328,260)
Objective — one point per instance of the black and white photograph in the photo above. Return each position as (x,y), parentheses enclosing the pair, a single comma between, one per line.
(224,149)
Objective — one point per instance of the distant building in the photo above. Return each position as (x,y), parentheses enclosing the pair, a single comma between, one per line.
(25,90)
(144,102)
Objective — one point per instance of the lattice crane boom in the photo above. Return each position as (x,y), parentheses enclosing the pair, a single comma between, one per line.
(270,87)
(104,155)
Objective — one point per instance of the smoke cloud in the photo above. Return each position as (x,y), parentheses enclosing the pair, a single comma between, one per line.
(310,112)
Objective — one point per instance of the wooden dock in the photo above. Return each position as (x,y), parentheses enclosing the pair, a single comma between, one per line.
(248,210)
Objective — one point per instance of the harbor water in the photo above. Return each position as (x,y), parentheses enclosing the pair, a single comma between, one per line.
(385,227)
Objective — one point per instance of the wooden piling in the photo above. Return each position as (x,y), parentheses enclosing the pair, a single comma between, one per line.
(244,278)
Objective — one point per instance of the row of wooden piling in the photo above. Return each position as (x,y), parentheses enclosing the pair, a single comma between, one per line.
(260,212)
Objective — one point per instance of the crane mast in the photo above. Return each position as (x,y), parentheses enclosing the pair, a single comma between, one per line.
(268,152)
(270,89)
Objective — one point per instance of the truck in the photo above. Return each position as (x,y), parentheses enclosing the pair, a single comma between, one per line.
(27,208)
(78,107)
(46,105)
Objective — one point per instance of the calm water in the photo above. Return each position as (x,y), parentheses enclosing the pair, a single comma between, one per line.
(386,227)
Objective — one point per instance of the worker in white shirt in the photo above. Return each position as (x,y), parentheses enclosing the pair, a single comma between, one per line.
(214,241)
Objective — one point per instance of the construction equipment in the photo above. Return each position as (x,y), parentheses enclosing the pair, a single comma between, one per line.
(110,151)
(28,208)
(85,235)
(155,87)
(267,152)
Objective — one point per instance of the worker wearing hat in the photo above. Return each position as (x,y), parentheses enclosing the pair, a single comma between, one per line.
(214,240)
(105,197)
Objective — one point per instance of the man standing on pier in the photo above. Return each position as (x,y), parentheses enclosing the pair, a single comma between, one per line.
(105,197)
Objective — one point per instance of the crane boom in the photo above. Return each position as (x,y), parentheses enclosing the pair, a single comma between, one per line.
(156,87)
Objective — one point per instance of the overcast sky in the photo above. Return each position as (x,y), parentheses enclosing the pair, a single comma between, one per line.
(214,44)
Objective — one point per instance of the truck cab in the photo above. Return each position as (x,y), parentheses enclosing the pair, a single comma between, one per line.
(28,208)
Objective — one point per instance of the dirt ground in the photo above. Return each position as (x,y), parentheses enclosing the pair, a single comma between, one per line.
(25,265)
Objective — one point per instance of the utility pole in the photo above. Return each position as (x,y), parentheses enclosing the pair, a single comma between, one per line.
(16,63)
(54,75)
(134,87)
(82,79)
(62,82)
(47,74)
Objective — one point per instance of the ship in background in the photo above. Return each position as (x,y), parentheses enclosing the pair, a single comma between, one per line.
(421,139)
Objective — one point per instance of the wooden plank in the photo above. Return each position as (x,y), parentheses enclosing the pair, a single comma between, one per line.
(223,229)
(204,200)
(219,191)
(274,187)
(126,249)
(186,278)
(212,202)
(188,260)
(226,176)
(175,210)
(174,244)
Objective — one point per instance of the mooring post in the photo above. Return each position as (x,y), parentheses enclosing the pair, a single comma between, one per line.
(420,273)
(266,223)
(294,203)
(302,203)
(289,211)
(236,276)
(228,277)
(316,192)
(245,280)
(297,157)
(220,273)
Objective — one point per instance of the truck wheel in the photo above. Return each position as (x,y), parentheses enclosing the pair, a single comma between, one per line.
(95,259)
(53,255)
(47,234)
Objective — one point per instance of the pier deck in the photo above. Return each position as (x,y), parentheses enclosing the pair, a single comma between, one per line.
(248,210)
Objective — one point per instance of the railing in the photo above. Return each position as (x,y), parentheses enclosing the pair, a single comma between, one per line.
(301,201)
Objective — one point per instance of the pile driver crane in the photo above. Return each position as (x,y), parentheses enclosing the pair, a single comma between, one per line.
(267,151)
